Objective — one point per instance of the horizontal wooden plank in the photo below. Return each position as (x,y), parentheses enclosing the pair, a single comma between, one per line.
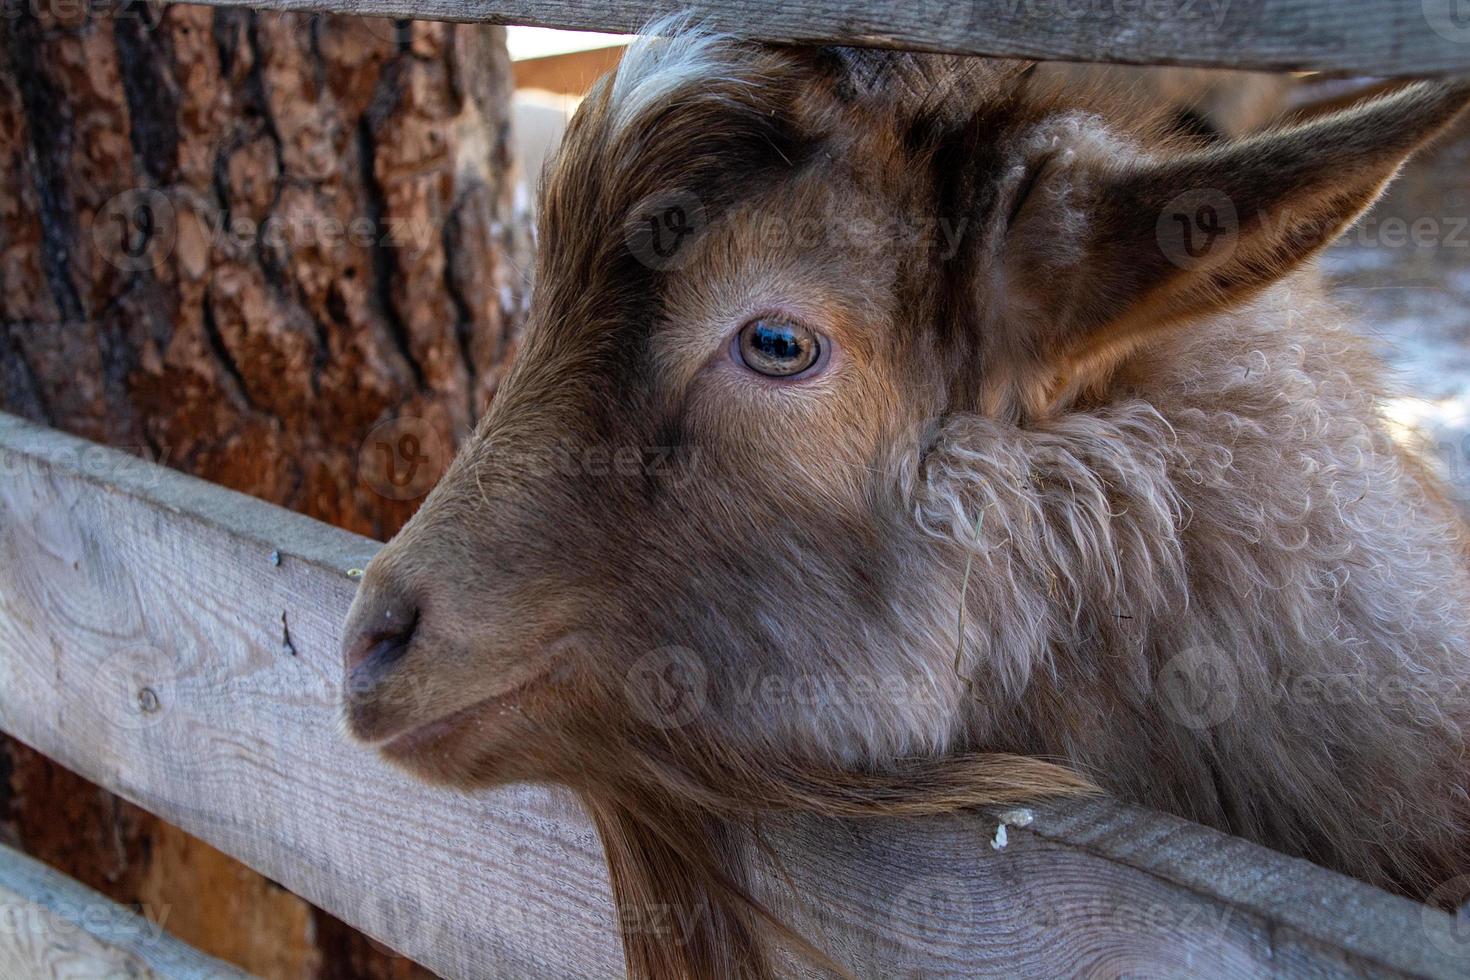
(144,623)
(1382,37)
(177,643)
(54,927)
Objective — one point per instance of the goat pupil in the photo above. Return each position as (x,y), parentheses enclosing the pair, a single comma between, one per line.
(777,343)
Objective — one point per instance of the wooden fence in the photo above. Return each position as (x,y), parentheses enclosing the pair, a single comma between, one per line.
(177,644)
(50,926)
(1361,37)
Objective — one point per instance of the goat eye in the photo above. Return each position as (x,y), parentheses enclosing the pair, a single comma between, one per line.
(778,348)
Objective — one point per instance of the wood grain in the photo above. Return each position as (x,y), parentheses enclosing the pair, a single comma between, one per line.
(1382,37)
(141,625)
(330,248)
(141,644)
(53,927)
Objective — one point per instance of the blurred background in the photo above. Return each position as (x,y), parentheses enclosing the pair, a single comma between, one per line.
(261,248)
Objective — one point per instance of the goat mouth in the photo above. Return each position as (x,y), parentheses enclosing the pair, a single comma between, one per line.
(434,734)
(501,710)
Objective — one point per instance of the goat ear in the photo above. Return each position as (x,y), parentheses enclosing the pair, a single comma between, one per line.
(1103,254)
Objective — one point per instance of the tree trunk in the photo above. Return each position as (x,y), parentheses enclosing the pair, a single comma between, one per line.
(275,251)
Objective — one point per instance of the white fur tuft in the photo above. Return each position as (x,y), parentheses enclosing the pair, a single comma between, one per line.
(670,54)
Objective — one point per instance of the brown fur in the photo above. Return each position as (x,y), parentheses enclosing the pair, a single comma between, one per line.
(1046,461)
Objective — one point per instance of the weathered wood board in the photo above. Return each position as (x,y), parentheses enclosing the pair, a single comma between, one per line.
(177,643)
(1379,37)
(52,928)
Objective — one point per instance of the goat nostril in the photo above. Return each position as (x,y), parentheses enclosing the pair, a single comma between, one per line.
(383,642)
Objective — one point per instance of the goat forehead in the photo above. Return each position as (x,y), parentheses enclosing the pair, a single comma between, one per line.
(708,124)
(697,123)
(711,119)
(690,124)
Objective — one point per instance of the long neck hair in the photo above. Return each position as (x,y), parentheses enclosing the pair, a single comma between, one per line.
(677,811)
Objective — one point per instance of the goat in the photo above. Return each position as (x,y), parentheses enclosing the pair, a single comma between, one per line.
(979,410)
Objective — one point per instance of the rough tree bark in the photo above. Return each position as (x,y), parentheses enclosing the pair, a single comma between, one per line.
(276,251)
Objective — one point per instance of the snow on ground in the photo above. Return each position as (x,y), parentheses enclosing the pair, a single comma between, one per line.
(1405,268)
